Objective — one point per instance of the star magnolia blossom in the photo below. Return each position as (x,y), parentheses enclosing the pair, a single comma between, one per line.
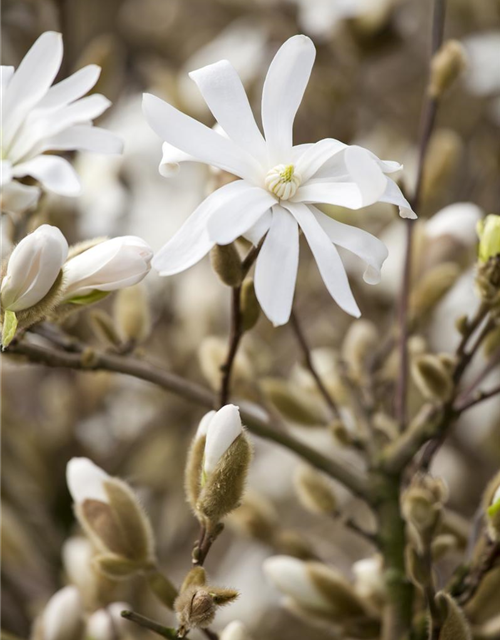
(279,183)
(38,117)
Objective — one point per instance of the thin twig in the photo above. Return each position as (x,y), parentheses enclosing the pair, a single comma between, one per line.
(428,119)
(147,623)
(235,336)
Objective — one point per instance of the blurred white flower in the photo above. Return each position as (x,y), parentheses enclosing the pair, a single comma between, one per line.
(33,268)
(107,623)
(62,616)
(369,579)
(108,266)
(221,429)
(483,78)
(38,117)
(235,630)
(86,481)
(279,183)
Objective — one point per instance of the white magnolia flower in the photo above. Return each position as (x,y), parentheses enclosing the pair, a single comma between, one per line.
(33,268)
(38,117)
(108,266)
(235,630)
(221,429)
(86,480)
(369,578)
(62,617)
(278,186)
(107,624)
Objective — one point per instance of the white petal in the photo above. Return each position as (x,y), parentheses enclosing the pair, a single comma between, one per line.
(56,174)
(31,81)
(71,88)
(6,73)
(223,91)
(192,242)
(394,195)
(171,159)
(85,138)
(197,140)
(342,194)
(366,172)
(327,258)
(276,268)
(259,229)
(5,172)
(63,614)
(457,220)
(291,577)
(85,480)
(232,220)
(204,422)
(367,247)
(17,198)
(284,88)
(223,429)
(315,156)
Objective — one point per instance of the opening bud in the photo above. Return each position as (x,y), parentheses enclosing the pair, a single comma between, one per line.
(196,606)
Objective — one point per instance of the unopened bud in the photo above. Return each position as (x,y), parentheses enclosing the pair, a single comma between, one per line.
(162,588)
(194,463)
(196,606)
(432,378)
(491,343)
(197,577)
(315,491)
(250,307)
(360,342)
(422,504)
(104,328)
(292,543)
(443,155)
(132,315)
(442,545)
(446,66)
(255,517)
(491,505)
(293,403)
(110,514)
(432,287)
(488,231)
(455,626)
(226,262)
(462,324)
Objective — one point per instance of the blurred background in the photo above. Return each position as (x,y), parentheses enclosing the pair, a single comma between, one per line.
(366,88)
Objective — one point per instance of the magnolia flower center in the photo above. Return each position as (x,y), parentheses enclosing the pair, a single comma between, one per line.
(283,181)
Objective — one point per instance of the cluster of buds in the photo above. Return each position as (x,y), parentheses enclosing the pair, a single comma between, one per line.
(198,602)
(43,278)
(488,268)
(422,506)
(217,466)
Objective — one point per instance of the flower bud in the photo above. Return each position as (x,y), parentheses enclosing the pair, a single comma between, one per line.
(107,623)
(32,281)
(226,263)
(294,403)
(225,464)
(112,517)
(132,315)
(454,625)
(256,517)
(491,505)
(62,618)
(369,579)
(250,307)
(447,64)
(491,343)
(441,161)
(108,266)
(235,630)
(196,606)
(422,504)
(432,287)
(488,231)
(315,587)
(432,377)
(104,328)
(212,354)
(315,491)
(194,463)
(360,342)
(197,577)
(291,543)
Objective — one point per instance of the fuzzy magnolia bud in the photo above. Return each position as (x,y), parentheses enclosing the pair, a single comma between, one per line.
(360,342)
(454,625)
(196,606)
(432,377)
(491,505)
(315,587)
(250,308)
(108,266)
(235,630)
(441,161)
(62,618)
(217,465)
(447,64)
(107,624)
(104,328)
(315,491)
(31,283)
(112,517)
(294,403)
(131,314)
(422,504)
(226,263)
(432,287)
(256,517)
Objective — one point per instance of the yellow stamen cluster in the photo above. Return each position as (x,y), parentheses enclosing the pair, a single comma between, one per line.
(283,181)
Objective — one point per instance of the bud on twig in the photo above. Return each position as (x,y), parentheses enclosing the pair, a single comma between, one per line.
(250,307)
(294,403)
(360,342)
(315,491)
(422,504)
(196,606)
(454,625)
(447,64)
(491,505)
(432,287)
(104,328)
(226,263)
(132,315)
(432,377)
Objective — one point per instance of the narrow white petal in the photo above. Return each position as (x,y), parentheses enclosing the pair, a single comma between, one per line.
(171,159)
(327,258)
(6,73)
(276,268)
(62,617)
(82,137)
(367,247)
(366,172)
(315,156)
(56,174)
(85,480)
(259,229)
(394,195)
(457,220)
(17,198)
(192,242)
(71,88)
(342,194)
(233,219)
(197,140)
(223,429)
(223,91)
(284,88)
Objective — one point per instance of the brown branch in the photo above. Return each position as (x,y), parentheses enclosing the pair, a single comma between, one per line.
(147,623)
(235,336)
(90,360)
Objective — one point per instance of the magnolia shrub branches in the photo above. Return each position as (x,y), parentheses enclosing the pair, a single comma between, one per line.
(272,192)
